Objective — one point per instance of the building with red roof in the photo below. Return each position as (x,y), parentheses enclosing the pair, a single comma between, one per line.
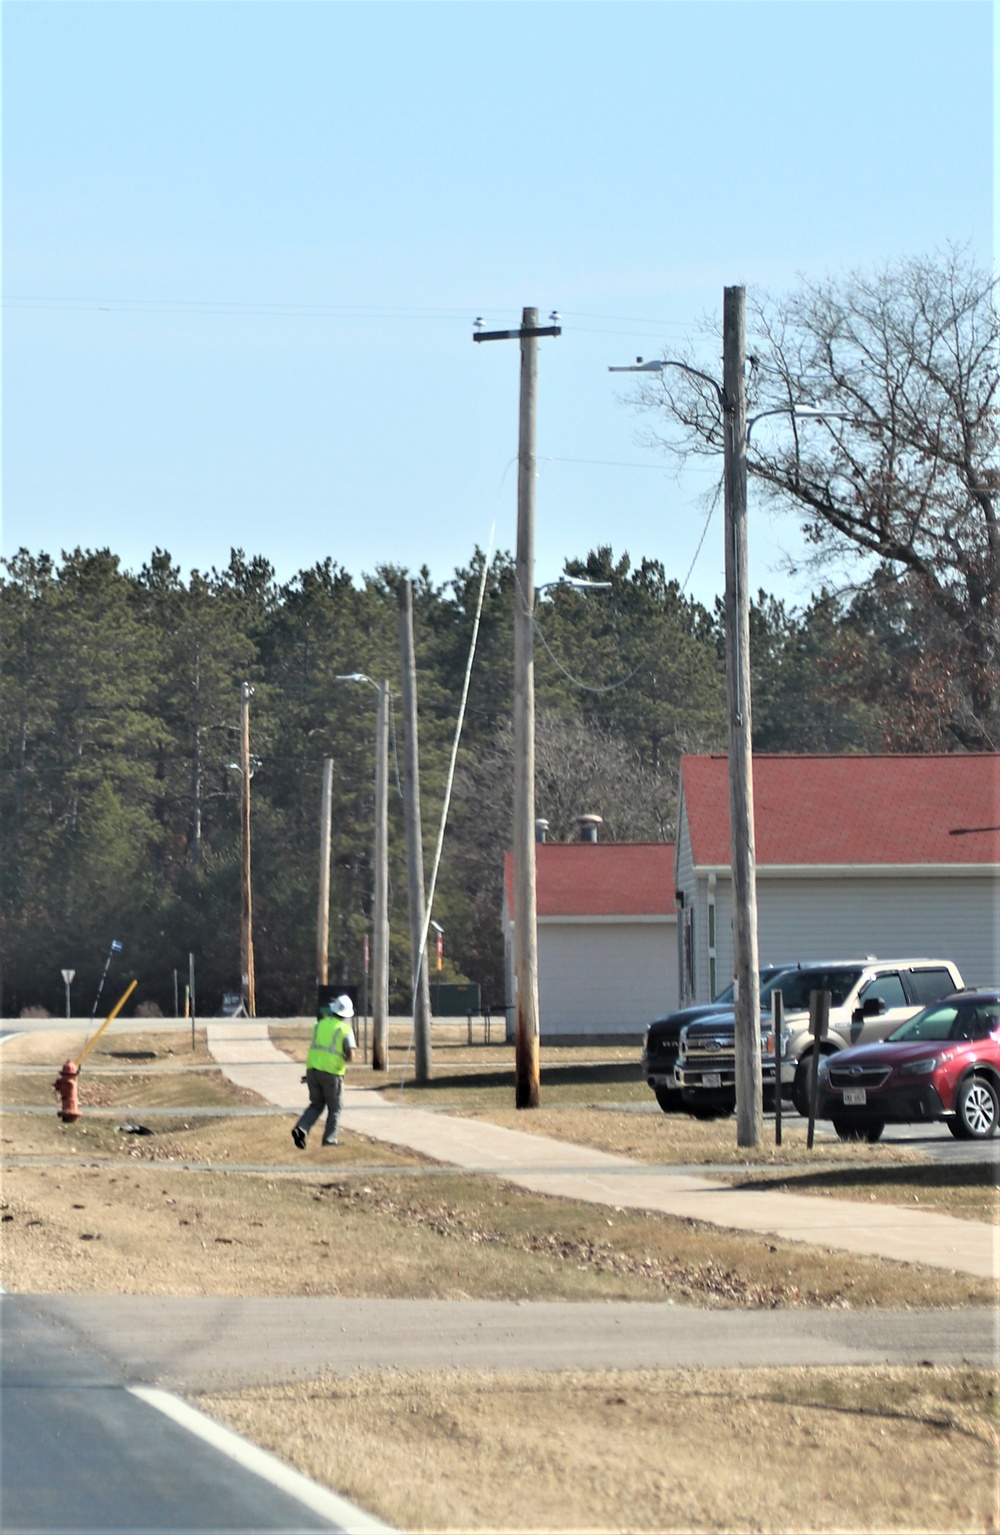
(607,936)
(883,855)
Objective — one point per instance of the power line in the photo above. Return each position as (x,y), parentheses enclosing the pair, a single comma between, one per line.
(317,310)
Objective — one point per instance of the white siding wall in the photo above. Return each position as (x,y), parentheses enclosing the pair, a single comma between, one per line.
(955,918)
(605,977)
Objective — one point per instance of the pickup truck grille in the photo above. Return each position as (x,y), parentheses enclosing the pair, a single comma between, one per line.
(711,1054)
(710,1050)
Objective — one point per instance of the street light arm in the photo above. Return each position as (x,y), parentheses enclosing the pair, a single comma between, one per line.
(805,412)
(577,583)
(669,362)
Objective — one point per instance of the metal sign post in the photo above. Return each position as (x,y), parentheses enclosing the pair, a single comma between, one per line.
(819,1023)
(778,1028)
(191,993)
(115,948)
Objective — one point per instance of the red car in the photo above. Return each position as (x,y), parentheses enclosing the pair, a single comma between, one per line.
(942,1064)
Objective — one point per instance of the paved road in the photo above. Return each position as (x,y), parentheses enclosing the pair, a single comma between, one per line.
(87,1446)
(196,1343)
(82,1452)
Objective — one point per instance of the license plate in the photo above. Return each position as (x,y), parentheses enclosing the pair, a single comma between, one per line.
(712,1079)
(854,1097)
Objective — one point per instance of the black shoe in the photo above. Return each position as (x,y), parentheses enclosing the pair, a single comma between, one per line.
(299,1137)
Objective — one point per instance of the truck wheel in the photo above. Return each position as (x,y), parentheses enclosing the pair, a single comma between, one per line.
(711,1110)
(670,1102)
(858,1129)
(976,1110)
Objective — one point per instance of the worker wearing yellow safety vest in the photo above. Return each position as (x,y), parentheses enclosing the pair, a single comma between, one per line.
(333,1045)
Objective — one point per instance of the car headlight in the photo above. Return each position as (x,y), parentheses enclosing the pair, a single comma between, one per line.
(924,1068)
(823,1075)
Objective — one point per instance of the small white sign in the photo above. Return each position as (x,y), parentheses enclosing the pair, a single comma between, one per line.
(67,976)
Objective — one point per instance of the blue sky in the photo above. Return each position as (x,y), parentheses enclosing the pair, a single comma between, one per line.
(244,245)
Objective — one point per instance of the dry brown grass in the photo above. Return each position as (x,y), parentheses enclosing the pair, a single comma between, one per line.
(672,1450)
(125,1214)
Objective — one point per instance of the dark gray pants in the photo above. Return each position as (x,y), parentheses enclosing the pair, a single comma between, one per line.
(325,1092)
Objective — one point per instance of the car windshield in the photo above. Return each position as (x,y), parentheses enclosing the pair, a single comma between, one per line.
(768,980)
(950,1020)
(795,986)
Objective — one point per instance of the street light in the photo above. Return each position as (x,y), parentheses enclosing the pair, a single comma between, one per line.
(380,925)
(246,768)
(731,396)
(578,583)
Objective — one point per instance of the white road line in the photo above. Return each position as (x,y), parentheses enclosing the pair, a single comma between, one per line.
(263,1464)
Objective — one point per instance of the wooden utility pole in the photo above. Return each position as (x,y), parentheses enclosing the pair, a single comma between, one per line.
(414,840)
(526,1067)
(323,904)
(380,944)
(749,1090)
(247,984)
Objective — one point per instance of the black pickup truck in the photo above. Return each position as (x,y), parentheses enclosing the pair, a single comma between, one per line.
(662,1041)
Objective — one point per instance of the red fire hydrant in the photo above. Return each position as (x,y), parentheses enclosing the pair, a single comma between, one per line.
(65,1086)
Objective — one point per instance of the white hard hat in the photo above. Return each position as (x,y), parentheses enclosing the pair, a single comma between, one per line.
(342,1006)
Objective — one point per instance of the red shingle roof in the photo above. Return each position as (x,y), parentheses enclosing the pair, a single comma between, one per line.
(601,879)
(852,810)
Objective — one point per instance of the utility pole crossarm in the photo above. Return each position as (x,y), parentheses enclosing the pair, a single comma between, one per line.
(516,335)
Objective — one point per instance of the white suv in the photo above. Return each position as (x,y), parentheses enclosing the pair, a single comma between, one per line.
(868,999)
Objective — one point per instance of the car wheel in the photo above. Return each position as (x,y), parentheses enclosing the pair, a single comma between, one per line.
(858,1129)
(976,1110)
(670,1102)
(800,1087)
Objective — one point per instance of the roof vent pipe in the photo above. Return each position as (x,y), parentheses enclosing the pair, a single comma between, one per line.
(588,825)
(541,829)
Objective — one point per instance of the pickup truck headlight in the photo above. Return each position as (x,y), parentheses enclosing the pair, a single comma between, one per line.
(924,1068)
(823,1075)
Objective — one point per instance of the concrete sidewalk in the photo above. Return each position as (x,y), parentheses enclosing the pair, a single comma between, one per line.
(244,1050)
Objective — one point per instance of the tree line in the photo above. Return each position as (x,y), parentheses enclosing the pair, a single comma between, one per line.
(119,735)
